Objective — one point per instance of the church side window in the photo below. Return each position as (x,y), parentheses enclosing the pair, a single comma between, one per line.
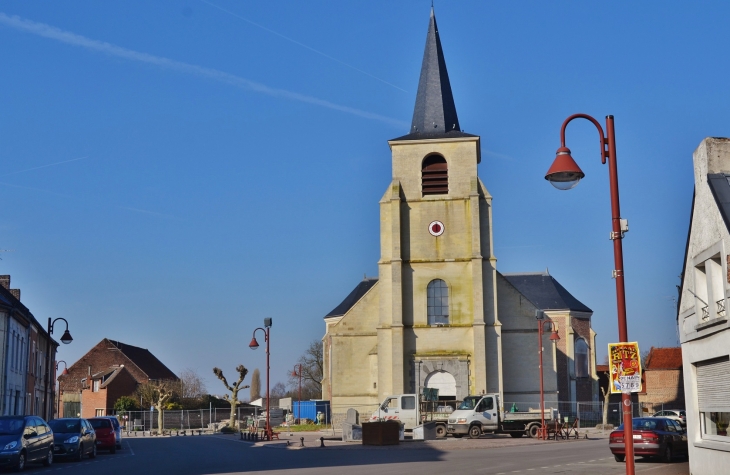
(438,302)
(581,359)
(435,175)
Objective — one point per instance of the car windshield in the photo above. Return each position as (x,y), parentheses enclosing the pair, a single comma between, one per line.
(11,426)
(100,423)
(65,426)
(469,402)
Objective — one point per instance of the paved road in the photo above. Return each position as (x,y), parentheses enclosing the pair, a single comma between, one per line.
(219,454)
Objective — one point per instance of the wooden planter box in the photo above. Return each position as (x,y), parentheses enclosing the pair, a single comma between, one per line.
(381,433)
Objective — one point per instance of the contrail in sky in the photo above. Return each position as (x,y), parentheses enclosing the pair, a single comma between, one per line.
(47,31)
(44,166)
(302,45)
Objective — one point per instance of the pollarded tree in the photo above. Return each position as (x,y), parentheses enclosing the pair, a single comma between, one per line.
(233,396)
(157,393)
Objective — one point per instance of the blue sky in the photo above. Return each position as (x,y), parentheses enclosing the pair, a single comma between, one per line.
(171,173)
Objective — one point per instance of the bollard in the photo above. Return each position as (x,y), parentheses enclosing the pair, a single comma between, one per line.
(287,443)
(241,433)
(321,441)
(301,441)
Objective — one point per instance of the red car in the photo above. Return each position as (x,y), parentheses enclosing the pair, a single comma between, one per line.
(653,436)
(106,439)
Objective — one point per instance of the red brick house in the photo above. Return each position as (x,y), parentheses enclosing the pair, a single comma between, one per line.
(664,379)
(109,370)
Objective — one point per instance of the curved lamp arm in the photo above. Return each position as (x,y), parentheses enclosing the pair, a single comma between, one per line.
(604,152)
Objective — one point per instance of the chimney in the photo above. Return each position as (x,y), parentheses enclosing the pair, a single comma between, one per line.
(16,293)
(5,281)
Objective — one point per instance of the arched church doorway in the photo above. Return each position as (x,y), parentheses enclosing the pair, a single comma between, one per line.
(444,382)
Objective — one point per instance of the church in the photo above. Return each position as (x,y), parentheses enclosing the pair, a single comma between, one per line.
(439,314)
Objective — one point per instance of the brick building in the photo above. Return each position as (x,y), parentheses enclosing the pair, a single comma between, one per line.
(109,370)
(663,378)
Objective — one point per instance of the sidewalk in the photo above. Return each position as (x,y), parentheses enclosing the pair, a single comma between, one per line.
(330,439)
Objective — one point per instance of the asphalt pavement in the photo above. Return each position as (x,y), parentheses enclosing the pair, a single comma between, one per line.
(228,454)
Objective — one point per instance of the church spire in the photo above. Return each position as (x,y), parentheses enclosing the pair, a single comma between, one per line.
(435,112)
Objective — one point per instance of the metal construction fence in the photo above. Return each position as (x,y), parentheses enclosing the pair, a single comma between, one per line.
(194,419)
(589,414)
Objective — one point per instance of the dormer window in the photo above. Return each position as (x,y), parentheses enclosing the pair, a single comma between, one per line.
(435,175)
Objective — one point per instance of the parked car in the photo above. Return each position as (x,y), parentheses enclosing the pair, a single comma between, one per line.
(73,437)
(105,437)
(676,414)
(653,436)
(25,439)
(117,429)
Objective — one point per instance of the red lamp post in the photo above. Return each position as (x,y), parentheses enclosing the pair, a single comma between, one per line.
(564,174)
(554,337)
(296,373)
(254,345)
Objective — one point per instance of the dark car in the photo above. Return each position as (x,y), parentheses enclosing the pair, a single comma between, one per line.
(73,438)
(653,437)
(24,439)
(105,436)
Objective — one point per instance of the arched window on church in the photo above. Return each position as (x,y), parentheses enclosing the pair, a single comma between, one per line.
(438,302)
(582,369)
(435,175)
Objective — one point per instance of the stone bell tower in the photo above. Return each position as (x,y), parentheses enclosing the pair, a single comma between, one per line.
(437,324)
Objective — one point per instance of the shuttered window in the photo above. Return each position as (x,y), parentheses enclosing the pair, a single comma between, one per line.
(713,385)
(435,175)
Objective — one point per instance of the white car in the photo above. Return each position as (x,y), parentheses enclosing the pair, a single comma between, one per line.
(674,414)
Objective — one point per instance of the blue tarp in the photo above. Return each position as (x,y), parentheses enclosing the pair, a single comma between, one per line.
(310,409)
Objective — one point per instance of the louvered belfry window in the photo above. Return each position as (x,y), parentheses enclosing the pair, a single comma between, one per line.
(435,175)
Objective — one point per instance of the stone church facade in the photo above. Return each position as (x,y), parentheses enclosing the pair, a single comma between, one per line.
(439,314)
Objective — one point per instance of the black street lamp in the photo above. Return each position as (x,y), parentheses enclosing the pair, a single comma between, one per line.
(66,338)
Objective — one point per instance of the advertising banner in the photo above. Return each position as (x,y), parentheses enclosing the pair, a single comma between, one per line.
(624,359)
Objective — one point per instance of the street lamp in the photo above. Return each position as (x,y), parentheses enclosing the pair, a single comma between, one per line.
(65,372)
(564,174)
(253,345)
(65,339)
(554,337)
(296,373)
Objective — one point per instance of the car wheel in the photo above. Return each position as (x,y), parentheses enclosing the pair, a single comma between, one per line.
(92,454)
(49,458)
(440,431)
(667,457)
(20,465)
(475,432)
(516,435)
(533,431)
(619,458)
(80,454)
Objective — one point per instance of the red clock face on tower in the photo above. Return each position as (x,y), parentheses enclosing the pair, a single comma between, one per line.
(436,228)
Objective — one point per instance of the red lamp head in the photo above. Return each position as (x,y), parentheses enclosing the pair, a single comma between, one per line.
(65,371)
(554,336)
(254,344)
(564,173)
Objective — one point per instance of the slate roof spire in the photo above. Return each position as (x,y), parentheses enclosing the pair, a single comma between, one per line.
(434,116)
(435,111)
